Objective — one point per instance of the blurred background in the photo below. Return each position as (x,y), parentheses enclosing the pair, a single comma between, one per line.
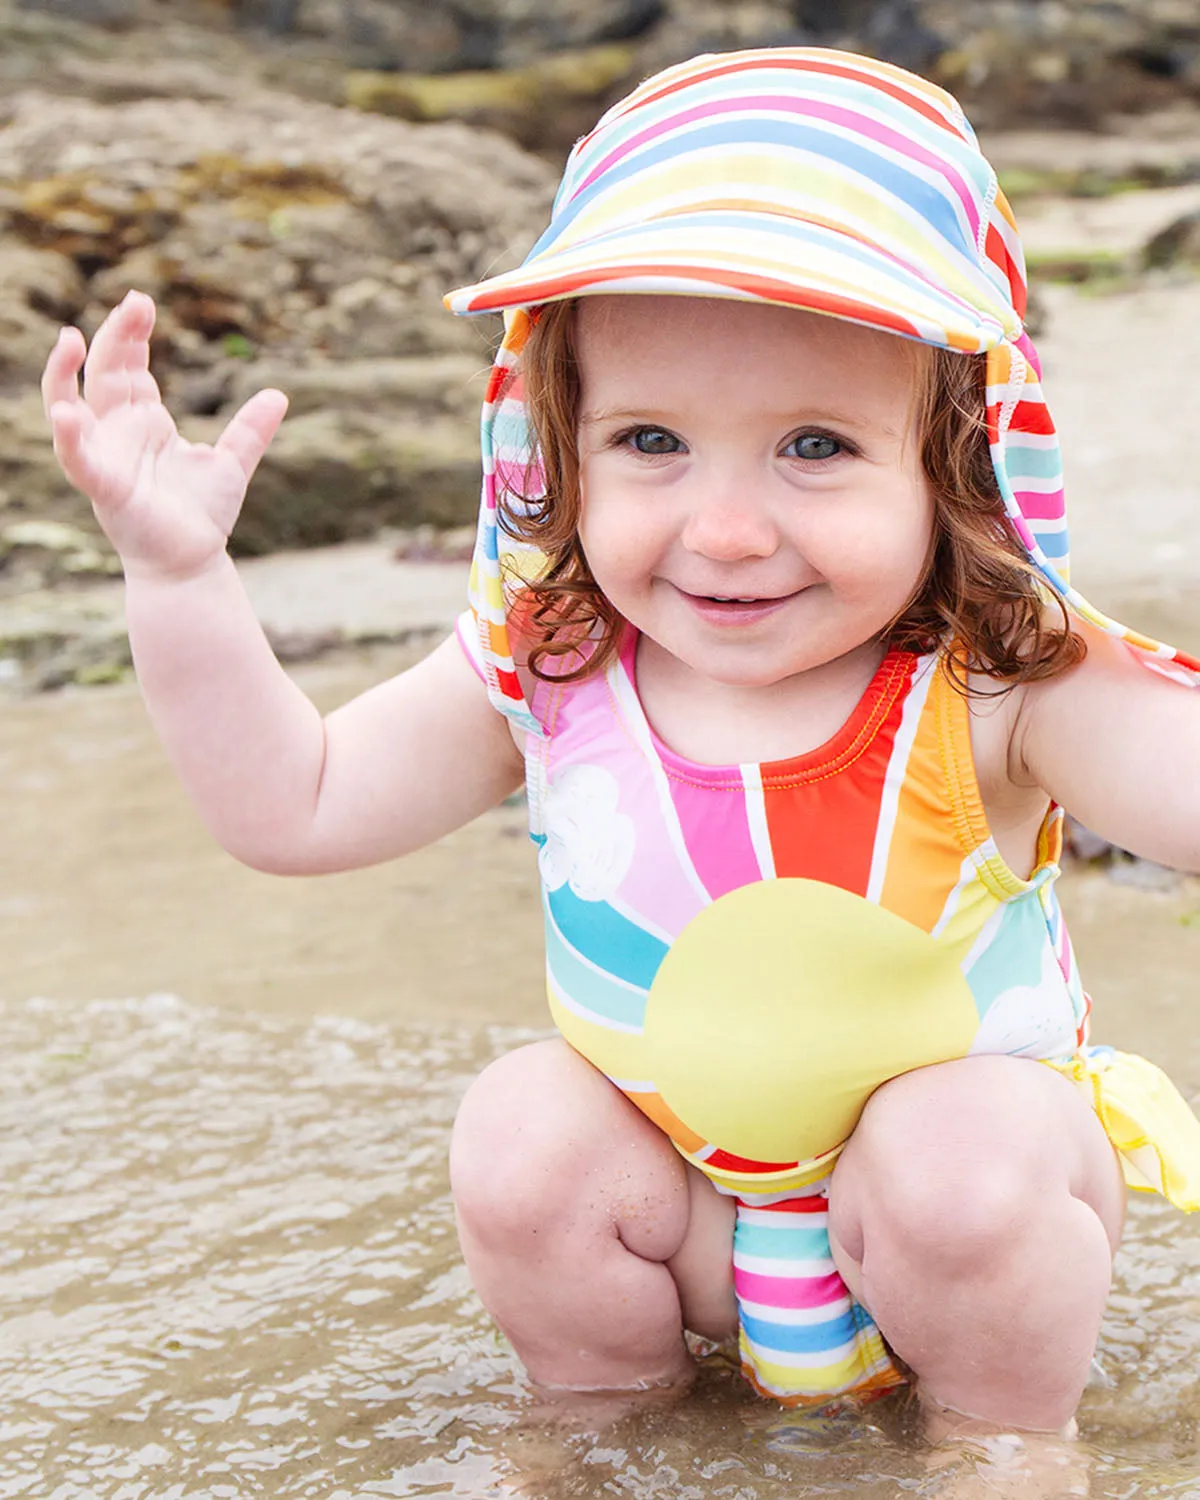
(227,1262)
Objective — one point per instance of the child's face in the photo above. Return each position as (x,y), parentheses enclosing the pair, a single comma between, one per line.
(752,493)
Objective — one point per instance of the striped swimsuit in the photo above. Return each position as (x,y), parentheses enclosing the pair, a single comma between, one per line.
(748,951)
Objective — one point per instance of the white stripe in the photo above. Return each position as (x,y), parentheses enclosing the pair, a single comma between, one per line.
(893,781)
(789,1268)
(626,696)
(1025,392)
(795,1317)
(966,877)
(756,819)
(635,1085)
(810,1190)
(1040,440)
(987,936)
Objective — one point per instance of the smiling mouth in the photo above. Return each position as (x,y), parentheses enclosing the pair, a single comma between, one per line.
(743,599)
(736,609)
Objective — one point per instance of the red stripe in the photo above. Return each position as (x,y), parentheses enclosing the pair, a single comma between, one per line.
(997,253)
(1031,416)
(726,1161)
(806,65)
(815,1203)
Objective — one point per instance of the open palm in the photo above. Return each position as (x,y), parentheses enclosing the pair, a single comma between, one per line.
(166,505)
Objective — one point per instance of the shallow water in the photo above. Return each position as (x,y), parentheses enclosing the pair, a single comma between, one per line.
(228,1268)
(227,1256)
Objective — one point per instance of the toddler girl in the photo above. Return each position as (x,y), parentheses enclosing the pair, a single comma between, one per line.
(770,611)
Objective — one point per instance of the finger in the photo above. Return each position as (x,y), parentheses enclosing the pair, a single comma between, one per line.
(117,371)
(251,429)
(60,379)
(70,423)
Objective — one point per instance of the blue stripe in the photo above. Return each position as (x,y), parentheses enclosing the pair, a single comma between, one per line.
(1038,463)
(1052,543)
(927,200)
(593,991)
(801,1338)
(510,430)
(784,1243)
(606,938)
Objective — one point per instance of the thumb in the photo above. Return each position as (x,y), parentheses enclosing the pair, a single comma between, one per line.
(252,427)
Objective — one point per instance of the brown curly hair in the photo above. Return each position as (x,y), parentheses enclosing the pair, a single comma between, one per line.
(980,593)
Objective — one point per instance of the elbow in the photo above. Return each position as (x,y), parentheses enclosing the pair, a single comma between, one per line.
(269,853)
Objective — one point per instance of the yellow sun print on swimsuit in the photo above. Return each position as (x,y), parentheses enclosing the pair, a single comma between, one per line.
(782,1006)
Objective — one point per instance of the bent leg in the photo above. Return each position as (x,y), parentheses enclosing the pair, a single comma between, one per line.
(975,1213)
(588,1238)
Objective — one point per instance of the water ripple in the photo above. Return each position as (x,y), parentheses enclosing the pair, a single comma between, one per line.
(228,1268)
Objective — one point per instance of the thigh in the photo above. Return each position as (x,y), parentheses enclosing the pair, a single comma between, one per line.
(545,1144)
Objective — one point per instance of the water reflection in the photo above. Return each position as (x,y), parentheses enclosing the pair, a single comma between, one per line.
(228,1268)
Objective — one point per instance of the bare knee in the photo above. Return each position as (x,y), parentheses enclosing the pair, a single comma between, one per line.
(950,1164)
(544,1143)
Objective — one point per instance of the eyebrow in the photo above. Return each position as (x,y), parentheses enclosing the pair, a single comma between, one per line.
(649,414)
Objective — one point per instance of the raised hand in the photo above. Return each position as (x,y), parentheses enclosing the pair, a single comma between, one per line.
(166,505)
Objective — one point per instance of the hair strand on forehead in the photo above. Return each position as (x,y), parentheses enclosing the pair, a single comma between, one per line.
(981,599)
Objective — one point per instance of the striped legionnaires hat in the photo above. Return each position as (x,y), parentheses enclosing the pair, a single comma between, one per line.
(804,177)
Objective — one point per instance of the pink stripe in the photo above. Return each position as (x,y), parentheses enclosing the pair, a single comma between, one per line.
(788,1291)
(834,114)
(1037,506)
(520,478)
(717,834)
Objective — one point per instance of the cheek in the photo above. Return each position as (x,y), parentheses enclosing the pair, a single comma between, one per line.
(887,549)
(616,530)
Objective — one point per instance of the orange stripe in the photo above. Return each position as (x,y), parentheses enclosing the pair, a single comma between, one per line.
(553,288)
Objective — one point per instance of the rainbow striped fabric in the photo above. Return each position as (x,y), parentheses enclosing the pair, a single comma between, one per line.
(811,178)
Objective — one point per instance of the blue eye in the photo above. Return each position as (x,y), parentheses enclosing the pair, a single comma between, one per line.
(814,446)
(654,441)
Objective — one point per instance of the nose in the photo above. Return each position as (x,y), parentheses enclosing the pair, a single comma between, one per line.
(726,522)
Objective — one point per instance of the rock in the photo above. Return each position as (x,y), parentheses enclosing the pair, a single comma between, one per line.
(546,105)
(299,237)
(115,14)
(336,474)
(891,29)
(690,27)
(43,289)
(1176,245)
(464,35)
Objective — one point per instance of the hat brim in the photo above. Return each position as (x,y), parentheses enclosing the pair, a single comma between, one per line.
(754,257)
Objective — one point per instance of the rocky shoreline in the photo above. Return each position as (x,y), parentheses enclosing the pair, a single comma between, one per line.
(232,159)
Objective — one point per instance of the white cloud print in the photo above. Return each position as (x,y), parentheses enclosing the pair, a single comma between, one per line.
(1035,1020)
(589,844)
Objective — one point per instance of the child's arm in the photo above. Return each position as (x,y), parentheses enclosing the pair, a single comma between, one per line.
(1118,746)
(280,788)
